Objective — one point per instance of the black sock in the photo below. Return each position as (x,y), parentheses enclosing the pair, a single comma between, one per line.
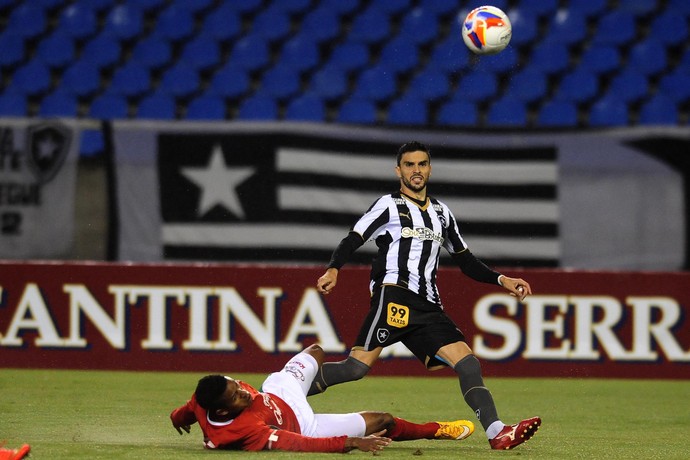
(476,395)
(338,372)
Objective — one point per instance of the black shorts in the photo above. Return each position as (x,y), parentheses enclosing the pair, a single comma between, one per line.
(399,315)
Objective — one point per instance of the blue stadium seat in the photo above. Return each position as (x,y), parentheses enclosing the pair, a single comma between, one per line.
(109,106)
(293,6)
(670,27)
(638,7)
(196,6)
(507,111)
(400,54)
(33,78)
(150,5)
(600,59)
(157,106)
(681,7)
(91,143)
(648,57)
(59,104)
(659,110)
(567,26)
(12,46)
(230,82)
(102,50)
(420,25)
(341,7)
(124,22)
(505,61)
(589,8)
(578,86)
(322,24)
(152,52)
(56,50)
(78,21)
(615,27)
(525,27)
(429,85)
(608,111)
(201,52)
(458,113)
(175,23)
(27,20)
(272,24)
(349,56)
(98,6)
(392,6)
(130,80)
(549,57)
(371,26)
(355,110)
(247,6)
(307,107)
(408,111)
(629,86)
(676,85)
(528,85)
(329,83)
(280,82)
(477,87)
(224,23)
(300,53)
(250,52)
(558,113)
(206,107)
(451,55)
(376,84)
(258,108)
(180,81)
(539,7)
(13,104)
(440,7)
(81,78)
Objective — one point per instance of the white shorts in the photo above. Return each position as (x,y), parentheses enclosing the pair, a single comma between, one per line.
(292,384)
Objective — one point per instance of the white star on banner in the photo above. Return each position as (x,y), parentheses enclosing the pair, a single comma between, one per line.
(218,183)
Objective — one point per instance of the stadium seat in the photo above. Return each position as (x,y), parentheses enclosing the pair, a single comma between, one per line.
(224,23)
(557,113)
(357,110)
(280,82)
(300,53)
(525,27)
(616,28)
(458,113)
(230,82)
(175,23)
(27,20)
(429,85)
(258,108)
(505,61)
(659,110)
(250,53)
(12,46)
(349,56)
(13,104)
(608,111)
(440,7)
(124,22)
(59,104)
(196,6)
(341,7)
(549,57)
(648,57)
(567,26)
(420,25)
(247,6)
(681,7)
(477,87)
(670,27)
(539,7)
(56,50)
(103,50)
(157,106)
(600,59)
(528,85)
(109,106)
(98,6)
(152,52)
(322,24)
(130,80)
(629,86)
(472,4)
(450,56)
(91,143)
(578,86)
(206,107)
(408,111)
(151,5)
(638,7)
(307,107)
(507,111)
(376,84)
(272,24)
(32,79)
(392,6)
(329,83)
(293,6)
(78,21)
(589,8)
(400,54)
(201,52)
(676,85)
(180,81)
(81,78)
(372,26)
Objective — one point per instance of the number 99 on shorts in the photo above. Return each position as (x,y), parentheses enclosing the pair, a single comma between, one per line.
(398,315)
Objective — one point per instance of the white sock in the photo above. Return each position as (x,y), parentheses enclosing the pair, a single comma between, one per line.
(494,429)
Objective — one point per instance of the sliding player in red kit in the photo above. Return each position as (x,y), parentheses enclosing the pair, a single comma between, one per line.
(234,415)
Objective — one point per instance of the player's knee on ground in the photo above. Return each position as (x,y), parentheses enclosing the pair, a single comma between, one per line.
(316,352)
(377,421)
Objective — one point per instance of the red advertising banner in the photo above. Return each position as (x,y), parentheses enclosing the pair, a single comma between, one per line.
(241,318)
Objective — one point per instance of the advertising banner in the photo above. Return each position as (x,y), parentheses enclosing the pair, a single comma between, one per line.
(242,318)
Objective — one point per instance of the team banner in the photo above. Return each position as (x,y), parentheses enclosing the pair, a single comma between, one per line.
(280,192)
(241,318)
(38,165)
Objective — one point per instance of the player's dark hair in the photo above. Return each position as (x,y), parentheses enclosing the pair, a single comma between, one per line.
(209,391)
(412,146)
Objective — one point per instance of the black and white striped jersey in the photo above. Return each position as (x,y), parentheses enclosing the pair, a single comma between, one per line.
(409,238)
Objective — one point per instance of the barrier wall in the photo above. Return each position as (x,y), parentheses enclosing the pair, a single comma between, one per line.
(241,318)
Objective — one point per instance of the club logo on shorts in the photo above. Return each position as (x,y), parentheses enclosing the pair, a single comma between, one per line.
(382,334)
(295,372)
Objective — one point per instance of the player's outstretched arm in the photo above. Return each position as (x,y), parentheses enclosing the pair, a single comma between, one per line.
(372,443)
(327,281)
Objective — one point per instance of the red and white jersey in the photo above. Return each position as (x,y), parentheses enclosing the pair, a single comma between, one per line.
(268,423)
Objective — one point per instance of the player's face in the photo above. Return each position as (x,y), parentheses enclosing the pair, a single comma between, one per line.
(235,398)
(414,171)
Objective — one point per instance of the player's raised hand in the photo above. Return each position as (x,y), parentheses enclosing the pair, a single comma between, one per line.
(327,281)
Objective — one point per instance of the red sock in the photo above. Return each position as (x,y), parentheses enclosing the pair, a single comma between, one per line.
(407,431)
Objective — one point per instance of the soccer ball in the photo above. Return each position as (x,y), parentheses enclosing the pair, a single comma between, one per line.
(486,30)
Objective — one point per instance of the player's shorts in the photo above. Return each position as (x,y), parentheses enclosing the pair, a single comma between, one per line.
(292,384)
(399,315)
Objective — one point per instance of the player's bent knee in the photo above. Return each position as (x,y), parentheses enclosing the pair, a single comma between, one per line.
(377,421)
(316,352)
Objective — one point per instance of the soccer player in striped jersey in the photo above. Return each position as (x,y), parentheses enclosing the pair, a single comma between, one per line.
(410,229)
(234,415)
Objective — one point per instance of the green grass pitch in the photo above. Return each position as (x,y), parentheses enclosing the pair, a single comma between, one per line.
(113,415)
